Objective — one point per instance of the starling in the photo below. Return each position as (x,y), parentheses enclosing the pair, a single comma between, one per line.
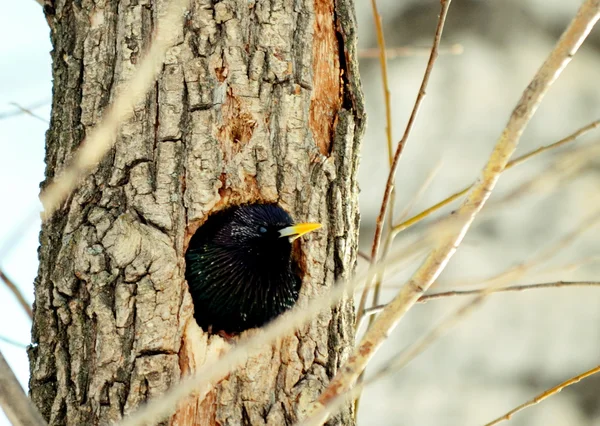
(239,267)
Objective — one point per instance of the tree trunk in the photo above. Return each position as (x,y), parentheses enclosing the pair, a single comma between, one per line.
(258,101)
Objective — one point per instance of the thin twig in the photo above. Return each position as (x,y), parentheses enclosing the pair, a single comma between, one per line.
(570,267)
(445,4)
(388,132)
(564,169)
(515,288)
(211,372)
(397,363)
(13,342)
(422,189)
(585,129)
(403,51)
(17,407)
(433,265)
(364,256)
(407,355)
(426,340)
(517,271)
(390,142)
(384,80)
(419,217)
(17,293)
(200,382)
(390,239)
(539,398)
(25,110)
(103,136)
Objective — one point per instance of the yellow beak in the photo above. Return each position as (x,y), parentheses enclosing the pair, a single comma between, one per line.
(295,231)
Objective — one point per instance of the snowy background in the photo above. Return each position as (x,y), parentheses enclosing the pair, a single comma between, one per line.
(509,350)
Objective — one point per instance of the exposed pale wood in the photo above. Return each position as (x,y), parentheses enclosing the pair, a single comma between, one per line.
(256,102)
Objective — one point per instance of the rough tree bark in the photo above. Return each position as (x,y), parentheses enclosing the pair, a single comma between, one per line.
(258,101)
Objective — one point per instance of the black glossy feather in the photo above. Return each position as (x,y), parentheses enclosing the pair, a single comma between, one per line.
(239,270)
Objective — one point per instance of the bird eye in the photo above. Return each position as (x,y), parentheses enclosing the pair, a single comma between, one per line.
(262,229)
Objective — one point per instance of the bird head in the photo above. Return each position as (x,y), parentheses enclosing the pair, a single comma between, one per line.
(255,227)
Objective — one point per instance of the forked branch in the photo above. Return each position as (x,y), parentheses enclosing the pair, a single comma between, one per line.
(433,265)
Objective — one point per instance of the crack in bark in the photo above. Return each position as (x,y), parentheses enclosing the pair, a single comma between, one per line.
(120,332)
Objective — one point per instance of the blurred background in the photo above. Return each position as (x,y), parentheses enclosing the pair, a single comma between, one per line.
(516,344)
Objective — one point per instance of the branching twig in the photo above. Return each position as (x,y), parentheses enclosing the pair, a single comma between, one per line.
(426,340)
(385,322)
(517,271)
(364,256)
(515,288)
(539,398)
(13,342)
(401,360)
(400,147)
(422,189)
(17,407)
(24,110)
(29,112)
(210,373)
(103,137)
(565,168)
(161,406)
(419,217)
(384,79)
(397,363)
(585,129)
(17,293)
(445,4)
(388,131)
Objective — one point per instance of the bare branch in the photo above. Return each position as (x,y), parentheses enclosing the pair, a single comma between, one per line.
(426,340)
(539,398)
(364,256)
(384,79)
(399,149)
(515,288)
(397,363)
(422,189)
(558,59)
(564,169)
(445,4)
(212,372)
(585,129)
(17,293)
(407,355)
(17,407)
(25,110)
(419,217)
(519,270)
(388,132)
(13,342)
